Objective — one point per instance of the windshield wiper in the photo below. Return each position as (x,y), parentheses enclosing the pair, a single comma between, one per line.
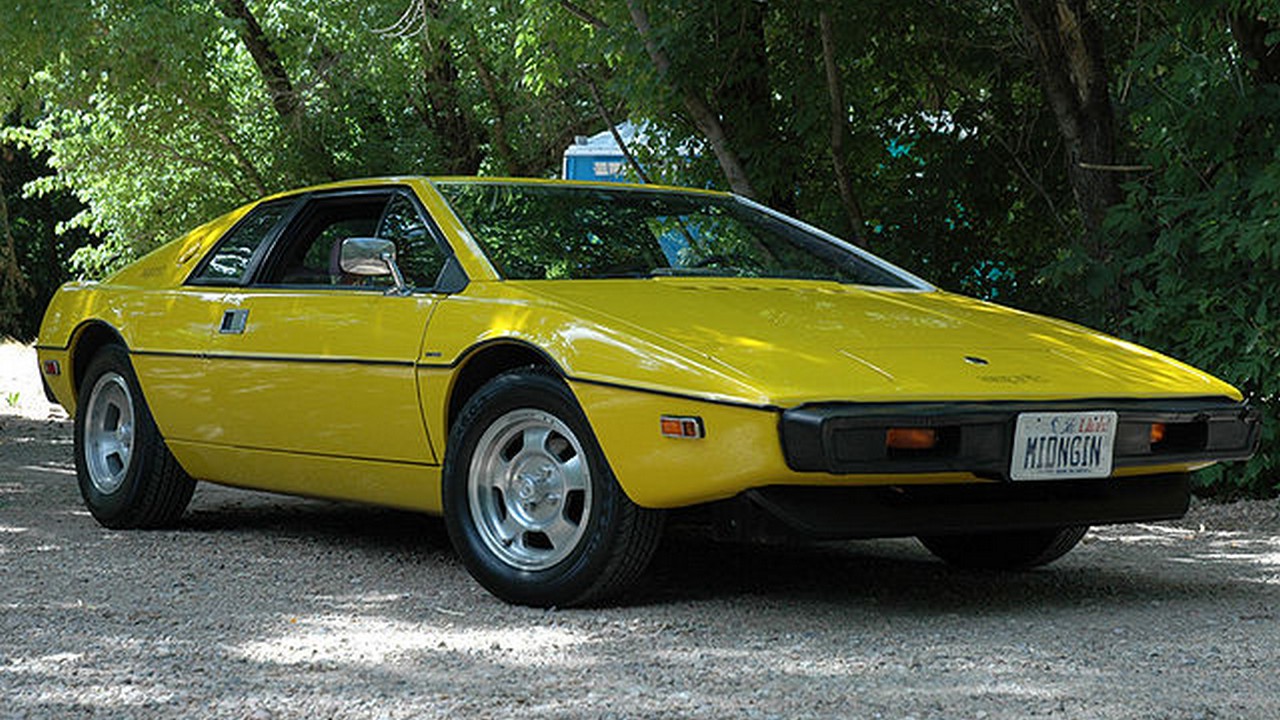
(629,275)
(671,272)
(694,272)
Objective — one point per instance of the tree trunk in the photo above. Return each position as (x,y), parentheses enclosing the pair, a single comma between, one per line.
(498,133)
(1067,45)
(284,95)
(13,284)
(704,118)
(746,104)
(454,126)
(607,119)
(1250,33)
(840,129)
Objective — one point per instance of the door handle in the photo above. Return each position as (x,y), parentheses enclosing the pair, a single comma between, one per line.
(233,321)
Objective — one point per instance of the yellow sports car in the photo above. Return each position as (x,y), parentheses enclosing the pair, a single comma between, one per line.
(552,366)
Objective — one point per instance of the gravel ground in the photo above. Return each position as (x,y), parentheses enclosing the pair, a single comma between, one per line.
(264,607)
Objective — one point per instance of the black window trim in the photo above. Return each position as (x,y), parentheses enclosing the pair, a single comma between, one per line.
(451,278)
(258,253)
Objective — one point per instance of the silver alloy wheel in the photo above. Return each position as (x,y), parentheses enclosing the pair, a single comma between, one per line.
(529,489)
(108,432)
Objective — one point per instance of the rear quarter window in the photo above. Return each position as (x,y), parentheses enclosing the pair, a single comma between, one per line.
(230,260)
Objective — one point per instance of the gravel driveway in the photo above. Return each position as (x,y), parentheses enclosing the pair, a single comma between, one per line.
(267,607)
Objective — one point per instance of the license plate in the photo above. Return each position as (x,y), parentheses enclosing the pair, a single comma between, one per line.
(1062,445)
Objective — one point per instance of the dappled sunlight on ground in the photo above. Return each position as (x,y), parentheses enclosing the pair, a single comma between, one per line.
(21,392)
(375,640)
(259,607)
(1254,556)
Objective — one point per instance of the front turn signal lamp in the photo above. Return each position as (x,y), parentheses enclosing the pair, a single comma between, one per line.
(911,438)
(688,427)
(1157,432)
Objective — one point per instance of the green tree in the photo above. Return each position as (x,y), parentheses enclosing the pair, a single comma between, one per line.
(1199,232)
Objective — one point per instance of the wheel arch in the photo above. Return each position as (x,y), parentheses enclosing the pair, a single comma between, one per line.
(87,340)
(487,360)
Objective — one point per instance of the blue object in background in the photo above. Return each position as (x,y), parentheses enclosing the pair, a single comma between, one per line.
(597,157)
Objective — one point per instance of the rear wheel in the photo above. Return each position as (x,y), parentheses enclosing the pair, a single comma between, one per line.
(128,478)
(1016,550)
(530,503)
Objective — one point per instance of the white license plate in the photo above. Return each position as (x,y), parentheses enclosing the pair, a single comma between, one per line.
(1062,445)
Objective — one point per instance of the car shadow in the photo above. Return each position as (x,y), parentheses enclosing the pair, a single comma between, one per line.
(692,567)
(334,523)
(902,575)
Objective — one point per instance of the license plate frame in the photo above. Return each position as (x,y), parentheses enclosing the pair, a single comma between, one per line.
(1065,445)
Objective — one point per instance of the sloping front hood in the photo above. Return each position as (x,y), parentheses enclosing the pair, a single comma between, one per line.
(803,342)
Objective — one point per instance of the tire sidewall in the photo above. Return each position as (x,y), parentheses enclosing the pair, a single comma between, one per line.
(571,578)
(112,509)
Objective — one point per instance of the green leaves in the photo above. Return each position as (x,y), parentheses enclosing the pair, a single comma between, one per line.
(1199,235)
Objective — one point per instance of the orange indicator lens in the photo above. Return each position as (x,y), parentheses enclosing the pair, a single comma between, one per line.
(911,438)
(676,426)
(1157,432)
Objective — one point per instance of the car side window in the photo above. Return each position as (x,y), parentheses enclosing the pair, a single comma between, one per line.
(417,253)
(230,261)
(309,251)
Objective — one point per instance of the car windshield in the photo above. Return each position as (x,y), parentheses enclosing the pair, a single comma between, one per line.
(534,232)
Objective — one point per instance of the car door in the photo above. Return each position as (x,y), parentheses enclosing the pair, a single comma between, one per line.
(309,362)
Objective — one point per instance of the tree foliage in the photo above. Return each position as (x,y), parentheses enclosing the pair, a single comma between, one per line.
(1109,162)
(1199,231)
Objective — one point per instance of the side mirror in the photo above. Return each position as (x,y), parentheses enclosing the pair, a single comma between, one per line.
(372,257)
(367,256)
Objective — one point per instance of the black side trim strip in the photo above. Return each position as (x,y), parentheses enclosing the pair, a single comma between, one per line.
(276,358)
(467,353)
(462,357)
(167,353)
(333,456)
(58,348)
(680,396)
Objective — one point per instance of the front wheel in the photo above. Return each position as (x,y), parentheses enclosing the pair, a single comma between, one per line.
(530,503)
(1014,550)
(128,478)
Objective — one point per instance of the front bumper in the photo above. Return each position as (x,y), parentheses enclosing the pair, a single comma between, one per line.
(903,510)
(849,438)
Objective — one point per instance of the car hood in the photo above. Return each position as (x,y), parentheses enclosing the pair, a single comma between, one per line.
(800,341)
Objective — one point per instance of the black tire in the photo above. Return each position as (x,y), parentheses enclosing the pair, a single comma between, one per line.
(1016,550)
(612,539)
(142,486)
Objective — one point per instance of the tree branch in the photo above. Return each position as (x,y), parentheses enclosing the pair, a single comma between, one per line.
(613,129)
(582,14)
(13,284)
(283,96)
(839,129)
(704,118)
(1251,33)
(1067,44)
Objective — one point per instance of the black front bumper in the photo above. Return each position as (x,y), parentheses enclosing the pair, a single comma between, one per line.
(977,438)
(905,510)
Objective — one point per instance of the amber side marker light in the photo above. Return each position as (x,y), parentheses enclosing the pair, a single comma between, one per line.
(681,426)
(1157,432)
(911,438)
